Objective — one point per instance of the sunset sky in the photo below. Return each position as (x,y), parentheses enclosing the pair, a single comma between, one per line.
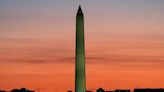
(124,41)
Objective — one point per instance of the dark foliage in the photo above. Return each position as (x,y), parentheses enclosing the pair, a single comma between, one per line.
(21,90)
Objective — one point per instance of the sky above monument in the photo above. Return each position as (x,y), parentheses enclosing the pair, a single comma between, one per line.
(124,42)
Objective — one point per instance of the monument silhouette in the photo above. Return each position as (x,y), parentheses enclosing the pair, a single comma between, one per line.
(80,82)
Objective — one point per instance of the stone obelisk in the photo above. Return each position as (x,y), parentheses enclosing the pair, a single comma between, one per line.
(80,82)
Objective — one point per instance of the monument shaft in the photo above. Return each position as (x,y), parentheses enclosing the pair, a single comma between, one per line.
(80,82)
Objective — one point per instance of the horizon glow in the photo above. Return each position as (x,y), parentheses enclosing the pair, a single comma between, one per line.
(122,38)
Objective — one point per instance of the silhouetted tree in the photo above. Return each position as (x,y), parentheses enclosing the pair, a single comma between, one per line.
(2,91)
(15,90)
(21,90)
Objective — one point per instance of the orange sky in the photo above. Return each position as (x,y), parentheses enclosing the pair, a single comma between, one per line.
(124,44)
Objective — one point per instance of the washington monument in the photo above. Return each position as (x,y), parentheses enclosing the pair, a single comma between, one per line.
(80,82)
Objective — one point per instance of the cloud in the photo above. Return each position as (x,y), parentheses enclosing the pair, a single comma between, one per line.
(88,58)
(123,60)
(37,61)
(129,61)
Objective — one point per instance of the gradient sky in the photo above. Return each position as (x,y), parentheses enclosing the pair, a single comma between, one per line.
(124,43)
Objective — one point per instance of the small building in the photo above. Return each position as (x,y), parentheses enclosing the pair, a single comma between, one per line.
(149,90)
(88,91)
(121,90)
(100,90)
